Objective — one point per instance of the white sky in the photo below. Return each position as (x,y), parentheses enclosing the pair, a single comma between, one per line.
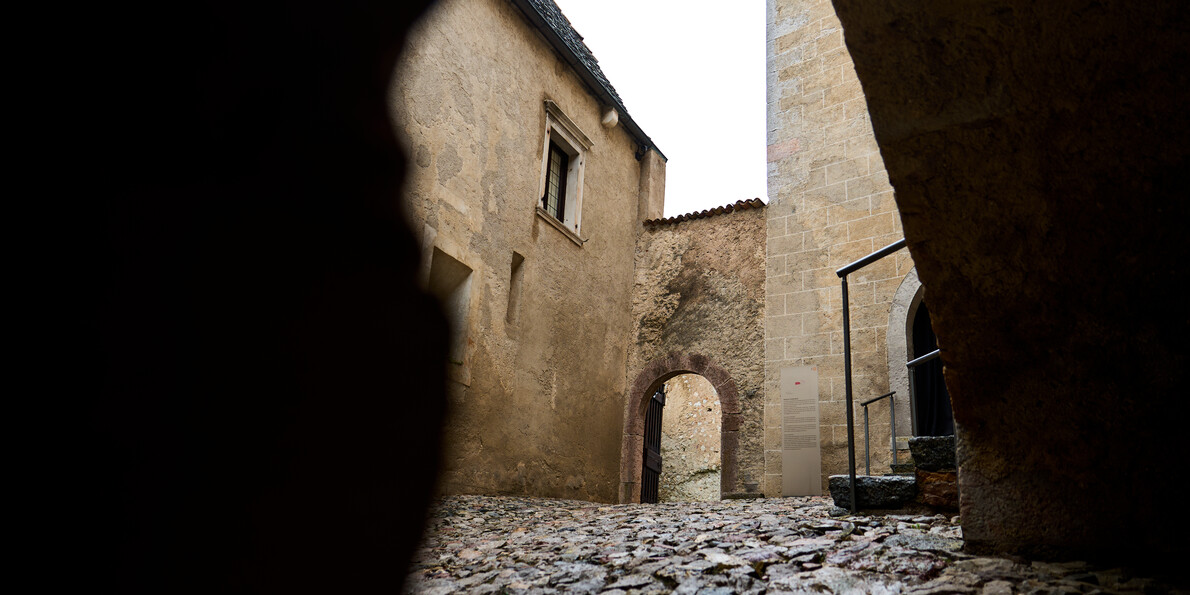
(691,73)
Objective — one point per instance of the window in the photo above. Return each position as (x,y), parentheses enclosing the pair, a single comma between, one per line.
(564,150)
(554,201)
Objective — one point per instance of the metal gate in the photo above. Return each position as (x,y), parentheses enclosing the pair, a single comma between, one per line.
(652,459)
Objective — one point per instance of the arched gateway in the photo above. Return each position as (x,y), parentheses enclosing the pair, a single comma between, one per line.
(650,379)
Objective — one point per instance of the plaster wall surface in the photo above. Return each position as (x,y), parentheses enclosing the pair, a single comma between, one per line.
(699,292)
(690,441)
(831,203)
(537,398)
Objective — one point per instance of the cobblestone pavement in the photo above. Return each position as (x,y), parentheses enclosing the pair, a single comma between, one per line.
(477,544)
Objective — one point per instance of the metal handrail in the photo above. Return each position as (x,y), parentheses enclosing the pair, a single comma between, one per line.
(923,359)
(884,396)
(869,259)
(892,415)
(842,273)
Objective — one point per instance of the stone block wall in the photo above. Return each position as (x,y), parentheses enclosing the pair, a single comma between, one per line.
(831,203)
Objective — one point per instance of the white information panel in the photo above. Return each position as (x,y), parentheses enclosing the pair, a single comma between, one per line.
(801,453)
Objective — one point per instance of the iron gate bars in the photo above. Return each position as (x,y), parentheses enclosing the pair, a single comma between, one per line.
(651,474)
(842,273)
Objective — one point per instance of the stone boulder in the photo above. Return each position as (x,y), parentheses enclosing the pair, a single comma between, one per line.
(888,491)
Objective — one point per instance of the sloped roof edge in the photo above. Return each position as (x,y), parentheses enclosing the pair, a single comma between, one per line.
(548,19)
(739,205)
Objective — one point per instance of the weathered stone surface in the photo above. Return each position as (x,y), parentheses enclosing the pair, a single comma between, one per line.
(698,306)
(939,489)
(888,491)
(775,545)
(1038,151)
(932,453)
(690,441)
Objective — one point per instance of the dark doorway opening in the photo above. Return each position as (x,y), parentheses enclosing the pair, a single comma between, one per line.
(932,414)
(651,474)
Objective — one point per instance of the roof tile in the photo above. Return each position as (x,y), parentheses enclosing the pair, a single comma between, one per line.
(739,205)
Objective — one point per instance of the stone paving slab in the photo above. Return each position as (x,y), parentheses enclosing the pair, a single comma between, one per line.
(479,544)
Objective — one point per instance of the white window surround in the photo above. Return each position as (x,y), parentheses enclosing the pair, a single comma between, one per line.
(567,135)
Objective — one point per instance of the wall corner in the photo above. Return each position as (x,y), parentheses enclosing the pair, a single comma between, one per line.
(651,193)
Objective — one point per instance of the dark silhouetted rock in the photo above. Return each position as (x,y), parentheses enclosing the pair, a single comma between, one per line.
(1039,156)
(266,411)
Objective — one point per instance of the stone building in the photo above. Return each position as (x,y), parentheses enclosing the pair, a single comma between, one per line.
(575,312)
(1038,151)
(528,187)
(831,204)
(572,311)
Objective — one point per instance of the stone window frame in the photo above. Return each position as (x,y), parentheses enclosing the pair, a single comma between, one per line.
(562,132)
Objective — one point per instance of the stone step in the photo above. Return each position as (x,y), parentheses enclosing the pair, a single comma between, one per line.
(933,453)
(902,469)
(875,491)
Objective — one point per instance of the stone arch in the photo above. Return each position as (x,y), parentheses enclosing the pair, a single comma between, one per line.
(904,307)
(654,374)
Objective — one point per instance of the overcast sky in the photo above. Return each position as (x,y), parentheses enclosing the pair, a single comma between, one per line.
(691,73)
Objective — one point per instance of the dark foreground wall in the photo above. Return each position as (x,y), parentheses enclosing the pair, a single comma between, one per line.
(1037,151)
(266,384)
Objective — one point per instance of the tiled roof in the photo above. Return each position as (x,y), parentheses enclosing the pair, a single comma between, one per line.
(739,205)
(561,25)
(556,28)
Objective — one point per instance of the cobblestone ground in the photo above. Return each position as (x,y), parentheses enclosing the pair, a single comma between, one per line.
(478,544)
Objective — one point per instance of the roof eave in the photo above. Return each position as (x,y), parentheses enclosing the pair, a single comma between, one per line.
(604,95)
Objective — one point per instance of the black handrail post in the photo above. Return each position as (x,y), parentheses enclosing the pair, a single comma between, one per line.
(892,431)
(867,449)
(847,384)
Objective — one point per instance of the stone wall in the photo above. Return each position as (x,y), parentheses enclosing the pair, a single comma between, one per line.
(830,204)
(690,441)
(698,306)
(542,312)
